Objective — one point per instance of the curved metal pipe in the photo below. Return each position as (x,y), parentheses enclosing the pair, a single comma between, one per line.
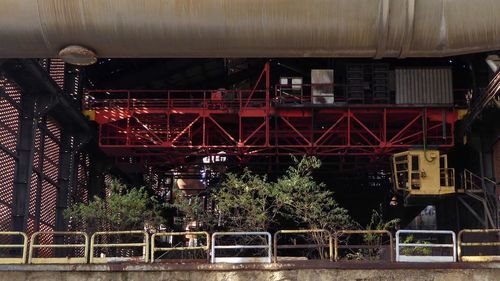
(256,28)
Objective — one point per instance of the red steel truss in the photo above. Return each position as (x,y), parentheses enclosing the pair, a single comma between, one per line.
(170,125)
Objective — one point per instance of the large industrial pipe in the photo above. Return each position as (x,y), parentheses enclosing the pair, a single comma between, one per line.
(250,28)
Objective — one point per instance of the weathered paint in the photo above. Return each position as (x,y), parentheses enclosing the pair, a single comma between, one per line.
(483,272)
(243,28)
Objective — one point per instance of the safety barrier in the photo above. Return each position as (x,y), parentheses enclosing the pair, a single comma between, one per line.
(144,245)
(402,257)
(456,248)
(58,260)
(490,246)
(363,232)
(23,246)
(155,249)
(303,246)
(266,259)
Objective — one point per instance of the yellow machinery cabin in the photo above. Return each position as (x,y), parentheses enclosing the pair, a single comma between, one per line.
(422,173)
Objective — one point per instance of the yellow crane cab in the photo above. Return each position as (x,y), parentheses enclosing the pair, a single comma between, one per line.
(422,175)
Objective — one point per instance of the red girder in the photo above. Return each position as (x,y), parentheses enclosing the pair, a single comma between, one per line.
(174,124)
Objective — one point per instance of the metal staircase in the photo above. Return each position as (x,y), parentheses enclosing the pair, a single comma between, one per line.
(484,191)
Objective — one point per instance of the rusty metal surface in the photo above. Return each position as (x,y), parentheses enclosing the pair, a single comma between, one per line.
(243,267)
(257,28)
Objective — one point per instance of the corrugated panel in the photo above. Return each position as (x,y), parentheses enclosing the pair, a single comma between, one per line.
(33,208)
(9,127)
(6,190)
(6,178)
(56,71)
(51,158)
(496,163)
(424,86)
(10,89)
(48,204)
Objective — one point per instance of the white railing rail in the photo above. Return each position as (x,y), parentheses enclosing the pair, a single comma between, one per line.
(267,246)
(401,257)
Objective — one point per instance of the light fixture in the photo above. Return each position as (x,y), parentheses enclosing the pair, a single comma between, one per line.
(77,55)
(394,201)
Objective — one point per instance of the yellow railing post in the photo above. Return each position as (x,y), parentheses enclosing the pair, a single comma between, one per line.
(169,234)
(54,260)
(93,245)
(461,244)
(23,246)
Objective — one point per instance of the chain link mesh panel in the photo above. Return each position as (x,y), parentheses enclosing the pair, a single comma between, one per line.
(9,129)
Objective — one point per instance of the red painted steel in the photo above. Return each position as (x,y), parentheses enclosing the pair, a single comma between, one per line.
(173,124)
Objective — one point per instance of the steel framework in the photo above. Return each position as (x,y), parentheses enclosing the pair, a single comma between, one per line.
(172,124)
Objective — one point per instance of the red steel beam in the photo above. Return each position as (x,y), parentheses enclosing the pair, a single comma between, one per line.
(250,123)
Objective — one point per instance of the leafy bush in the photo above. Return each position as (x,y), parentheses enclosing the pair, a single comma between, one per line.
(123,209)
(415,250)
(250,202)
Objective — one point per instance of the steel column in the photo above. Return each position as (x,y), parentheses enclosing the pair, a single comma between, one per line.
(24,165)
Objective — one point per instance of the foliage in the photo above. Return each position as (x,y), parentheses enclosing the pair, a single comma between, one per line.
(415,250)
(377,222)
(123,209)
(250,202)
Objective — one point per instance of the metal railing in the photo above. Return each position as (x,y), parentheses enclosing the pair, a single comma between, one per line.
(58,260)
(267,246)
(491,246)
(144,245)
(401,256)
(447,177)
(453,250)
(317,246)
(155,249)
(380,246)
(23,246)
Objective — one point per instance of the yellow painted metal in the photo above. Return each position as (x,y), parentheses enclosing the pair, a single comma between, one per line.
(303,231)
(462,113)
(423,173)
(488,244)
(23,246)
(57,260)
(348,232)
(93,245)
(169,234)
(90,114)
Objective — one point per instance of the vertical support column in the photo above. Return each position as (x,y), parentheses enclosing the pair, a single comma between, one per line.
(267,68)
(96,177)
(25,151)
(66,167)
(66,155)
(39,170)
(73,85)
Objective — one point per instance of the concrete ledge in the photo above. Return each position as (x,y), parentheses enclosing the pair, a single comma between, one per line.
(300,271)
(119,267)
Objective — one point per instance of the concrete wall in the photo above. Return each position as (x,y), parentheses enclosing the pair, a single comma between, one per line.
(397,272)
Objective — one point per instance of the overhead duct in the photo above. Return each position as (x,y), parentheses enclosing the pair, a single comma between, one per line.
(256,28)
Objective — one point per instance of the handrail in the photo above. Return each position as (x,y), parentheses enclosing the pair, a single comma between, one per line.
(23,246)
(266,259)
(93,245)
(477,258)
(409,258)
(302,231)
(381,232)
(53,260)
(170,234)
